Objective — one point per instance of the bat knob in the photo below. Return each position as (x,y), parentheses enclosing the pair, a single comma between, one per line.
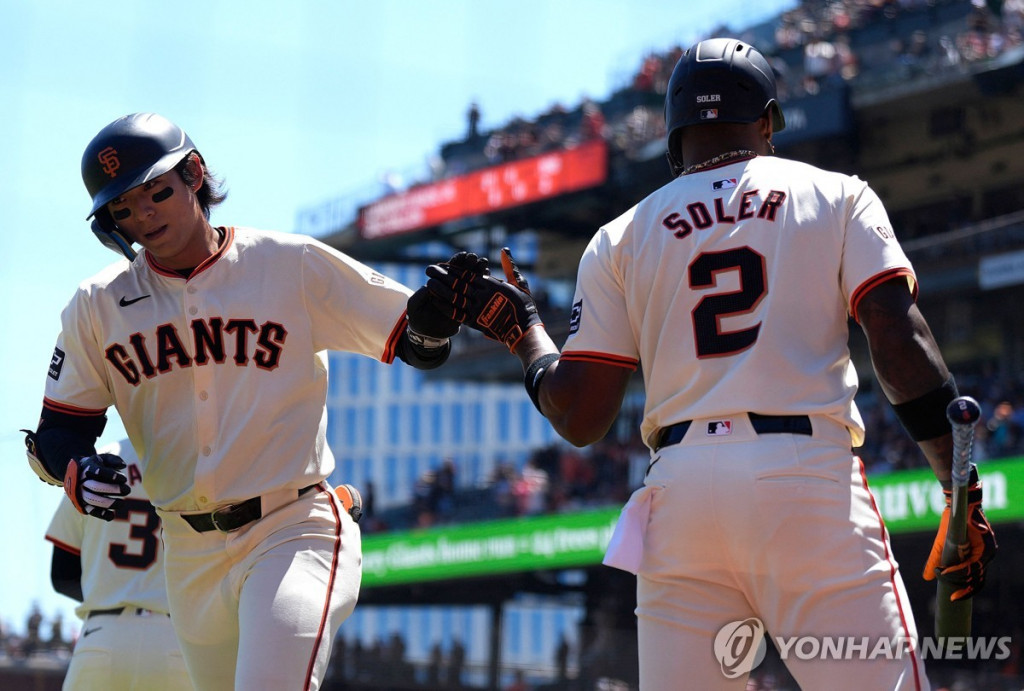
(963,410)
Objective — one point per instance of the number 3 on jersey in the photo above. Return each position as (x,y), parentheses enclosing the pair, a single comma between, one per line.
(709,337)
(141,556)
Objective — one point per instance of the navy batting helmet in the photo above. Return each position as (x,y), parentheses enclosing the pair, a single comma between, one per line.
(125,154)
(719,80)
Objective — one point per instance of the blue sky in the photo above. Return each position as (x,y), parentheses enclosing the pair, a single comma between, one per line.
(293,104)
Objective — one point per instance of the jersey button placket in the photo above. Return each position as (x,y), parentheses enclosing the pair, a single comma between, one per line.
(203,406)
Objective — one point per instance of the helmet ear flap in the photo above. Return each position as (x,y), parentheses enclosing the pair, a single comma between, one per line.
(674,162)
(107,232)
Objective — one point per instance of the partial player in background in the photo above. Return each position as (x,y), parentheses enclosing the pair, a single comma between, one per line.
(733,285)
(211,343)
(115,570)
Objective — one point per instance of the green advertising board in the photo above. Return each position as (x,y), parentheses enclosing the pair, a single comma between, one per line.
(909,501)
(486,548)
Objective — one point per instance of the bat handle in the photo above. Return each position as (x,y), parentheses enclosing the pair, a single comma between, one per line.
(954,618)
(963,413)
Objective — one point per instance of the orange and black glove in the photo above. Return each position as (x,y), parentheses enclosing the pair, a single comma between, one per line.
(500,310)
(432,326)
(95,485)
(967,576)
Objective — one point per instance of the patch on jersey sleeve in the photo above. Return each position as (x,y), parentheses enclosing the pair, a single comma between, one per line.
(885,232)
(56,363)
(726,184)
(575,317)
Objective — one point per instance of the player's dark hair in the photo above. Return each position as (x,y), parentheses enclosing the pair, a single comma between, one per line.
(211,193)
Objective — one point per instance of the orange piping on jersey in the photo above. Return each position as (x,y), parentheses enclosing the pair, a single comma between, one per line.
(389,348)
(229,237)
(318,641)
(601,358)
(884,537)
(69,409)
(64,546)
(876,280)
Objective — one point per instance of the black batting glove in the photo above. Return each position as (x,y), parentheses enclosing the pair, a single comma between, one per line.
(467,261)
(95,485)
(428,322)
(499,310)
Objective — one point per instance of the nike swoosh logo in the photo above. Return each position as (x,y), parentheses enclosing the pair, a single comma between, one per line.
(88,631)
(125,301)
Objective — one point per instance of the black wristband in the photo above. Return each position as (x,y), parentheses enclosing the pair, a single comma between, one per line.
(422,358)
(534,374)
(924,417)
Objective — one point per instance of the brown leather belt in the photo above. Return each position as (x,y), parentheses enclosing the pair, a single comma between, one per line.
(230,518)
(762,424)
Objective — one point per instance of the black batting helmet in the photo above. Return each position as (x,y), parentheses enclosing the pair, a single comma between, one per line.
(719,80)
(126,153)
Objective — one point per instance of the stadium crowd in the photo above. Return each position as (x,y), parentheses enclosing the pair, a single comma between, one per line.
(42,638)
(812,49)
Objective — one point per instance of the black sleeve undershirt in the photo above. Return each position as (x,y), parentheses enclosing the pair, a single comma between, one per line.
(61,437)
(66,573)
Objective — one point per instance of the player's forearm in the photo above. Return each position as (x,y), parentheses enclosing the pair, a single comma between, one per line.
(580,401)
(535,344)
(61,437)
(902,384)
(910,369)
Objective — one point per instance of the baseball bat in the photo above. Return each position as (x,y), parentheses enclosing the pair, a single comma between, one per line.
(954,618)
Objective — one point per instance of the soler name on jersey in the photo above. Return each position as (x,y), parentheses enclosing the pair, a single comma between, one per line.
(699,216)
(213,340)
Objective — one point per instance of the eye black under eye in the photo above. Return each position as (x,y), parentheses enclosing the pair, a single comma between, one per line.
(121,214)
(163,194)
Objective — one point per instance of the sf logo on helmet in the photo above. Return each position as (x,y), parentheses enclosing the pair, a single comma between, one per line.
(109,160)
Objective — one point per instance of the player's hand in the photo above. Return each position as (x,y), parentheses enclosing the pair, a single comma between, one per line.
(95,484)
(426,321)
(351,499)
(468,261)
(967,576)
(500,310)
(425,318)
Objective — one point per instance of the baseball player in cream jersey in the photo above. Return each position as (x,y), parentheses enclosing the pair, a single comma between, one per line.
(210,343)
(115,570)
(731,287)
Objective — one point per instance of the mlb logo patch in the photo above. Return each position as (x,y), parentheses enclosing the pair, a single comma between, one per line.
(719,428)
(726,184)
(709,114)
(575,317)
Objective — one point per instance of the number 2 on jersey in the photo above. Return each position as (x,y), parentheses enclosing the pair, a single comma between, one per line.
(709,337)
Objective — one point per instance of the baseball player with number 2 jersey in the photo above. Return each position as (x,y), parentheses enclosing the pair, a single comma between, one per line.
(211,344)
(732,286)
(115,569)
